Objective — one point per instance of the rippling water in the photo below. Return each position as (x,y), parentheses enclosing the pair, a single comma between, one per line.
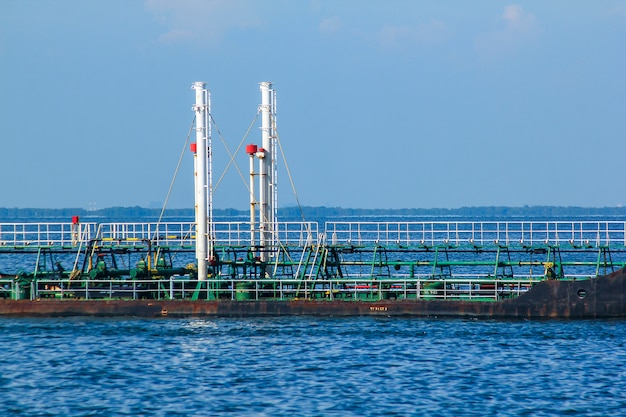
(311,366)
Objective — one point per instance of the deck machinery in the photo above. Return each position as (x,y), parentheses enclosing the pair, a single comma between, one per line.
(346,260)
(265,259)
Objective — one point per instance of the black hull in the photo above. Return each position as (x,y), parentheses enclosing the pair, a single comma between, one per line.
(603,297)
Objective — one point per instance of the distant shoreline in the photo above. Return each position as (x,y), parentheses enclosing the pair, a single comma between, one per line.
(308,212)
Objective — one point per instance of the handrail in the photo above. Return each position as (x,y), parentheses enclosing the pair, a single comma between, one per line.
(139,233)
(457,233)
(508,233)
(257,289)
(46,234)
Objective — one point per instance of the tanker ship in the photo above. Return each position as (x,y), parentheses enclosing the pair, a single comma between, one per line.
(265,266)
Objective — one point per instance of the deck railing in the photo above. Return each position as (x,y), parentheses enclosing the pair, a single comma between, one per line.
(242,290)
(184,233)
(509,233)
(140,233)
(515,233)
(46,234)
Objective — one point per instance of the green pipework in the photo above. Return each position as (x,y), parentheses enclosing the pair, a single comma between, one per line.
(213,289)
(435,261)
(37,262)
(553,252)
(21,286)
(379,262)
(303,265)
(198,290)
(320,266)
(243,290)
(603,250)
(441,264)
(496,263)
(317,262)
(373,261)
(141,271)
(501,263)
(168,272)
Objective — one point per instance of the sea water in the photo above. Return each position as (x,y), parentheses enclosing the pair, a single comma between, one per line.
(311,366)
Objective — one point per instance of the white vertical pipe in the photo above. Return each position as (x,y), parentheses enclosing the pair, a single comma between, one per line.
(274,154)
(251,150)
(265,199)
(252,211)
(207,124)
(201,200)
(194,148)
(261,154)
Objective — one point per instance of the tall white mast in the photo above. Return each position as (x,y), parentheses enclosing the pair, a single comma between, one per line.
(202,175)
(267,171)
(251,150)
(274,154)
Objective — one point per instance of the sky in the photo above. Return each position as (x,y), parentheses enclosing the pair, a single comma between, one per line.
(394,104)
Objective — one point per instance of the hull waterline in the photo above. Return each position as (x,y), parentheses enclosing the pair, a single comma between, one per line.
(603,297)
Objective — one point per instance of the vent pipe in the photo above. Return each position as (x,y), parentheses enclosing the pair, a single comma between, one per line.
(202,168)
(267,171)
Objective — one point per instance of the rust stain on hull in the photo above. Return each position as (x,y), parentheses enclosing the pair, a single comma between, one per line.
(603,297)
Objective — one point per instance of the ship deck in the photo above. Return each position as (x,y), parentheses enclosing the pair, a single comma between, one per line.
(365,261)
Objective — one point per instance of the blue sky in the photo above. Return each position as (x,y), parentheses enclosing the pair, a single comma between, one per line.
(395,104)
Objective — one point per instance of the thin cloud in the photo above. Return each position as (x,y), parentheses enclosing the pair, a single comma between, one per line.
(330,26)
(518,20)
(400,37)
(517,28)
(618,11)
(202,20)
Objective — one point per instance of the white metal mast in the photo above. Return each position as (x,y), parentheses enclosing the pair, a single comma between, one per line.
(267,171)
(251,150)
(202,173)
(274,155)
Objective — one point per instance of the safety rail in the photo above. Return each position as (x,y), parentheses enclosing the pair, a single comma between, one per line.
(372,290)
(264,289)
(287,233)
(140,233)
(46,234)
(515,233)
(9,288)
(160,234)
(184,233)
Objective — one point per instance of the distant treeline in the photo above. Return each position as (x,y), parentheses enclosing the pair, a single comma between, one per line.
(309,213)
(490,211)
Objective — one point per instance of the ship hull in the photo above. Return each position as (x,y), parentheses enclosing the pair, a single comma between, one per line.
(603,297)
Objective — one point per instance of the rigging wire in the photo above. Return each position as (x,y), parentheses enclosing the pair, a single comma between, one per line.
(169,191)
(282,153)
(232,155)
(231,162)
(291,182)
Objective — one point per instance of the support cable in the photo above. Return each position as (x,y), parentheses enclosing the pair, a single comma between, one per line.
(169,191)
(291,182)
(232,155)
